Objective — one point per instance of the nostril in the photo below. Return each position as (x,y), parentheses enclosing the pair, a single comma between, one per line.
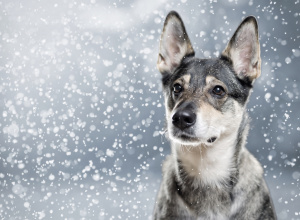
(176,117)
(188,116)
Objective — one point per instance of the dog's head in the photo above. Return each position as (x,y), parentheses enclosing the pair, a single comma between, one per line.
(205,98)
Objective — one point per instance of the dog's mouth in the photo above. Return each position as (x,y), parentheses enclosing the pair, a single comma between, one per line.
(212,139)
(185,137)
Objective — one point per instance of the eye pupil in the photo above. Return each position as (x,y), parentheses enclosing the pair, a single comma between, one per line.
(219,91)
(177,88)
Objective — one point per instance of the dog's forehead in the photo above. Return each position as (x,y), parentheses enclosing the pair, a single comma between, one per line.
(196,71)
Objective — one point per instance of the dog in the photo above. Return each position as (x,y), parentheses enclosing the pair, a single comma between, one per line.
(210,174)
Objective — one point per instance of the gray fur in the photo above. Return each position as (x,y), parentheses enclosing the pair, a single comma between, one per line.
(243,194)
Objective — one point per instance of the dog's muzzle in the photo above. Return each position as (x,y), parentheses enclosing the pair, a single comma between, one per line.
(184,118)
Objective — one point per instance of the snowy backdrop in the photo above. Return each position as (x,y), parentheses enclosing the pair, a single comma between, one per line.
(82,111)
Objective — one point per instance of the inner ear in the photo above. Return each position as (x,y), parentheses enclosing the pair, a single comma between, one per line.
(174,44)
(244,51)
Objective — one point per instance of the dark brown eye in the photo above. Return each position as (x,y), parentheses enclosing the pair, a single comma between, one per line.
(177,89)
(219,91)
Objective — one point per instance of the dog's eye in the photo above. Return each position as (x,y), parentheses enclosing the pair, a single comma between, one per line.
(219,91)
(177,88)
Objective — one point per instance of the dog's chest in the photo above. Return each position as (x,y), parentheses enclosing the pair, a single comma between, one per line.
(204,180)
(205,201)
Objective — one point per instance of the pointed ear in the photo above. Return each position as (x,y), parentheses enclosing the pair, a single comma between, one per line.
(174,44)
(244,51)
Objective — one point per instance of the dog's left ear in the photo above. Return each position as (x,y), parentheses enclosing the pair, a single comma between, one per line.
(174,44)
(244,51)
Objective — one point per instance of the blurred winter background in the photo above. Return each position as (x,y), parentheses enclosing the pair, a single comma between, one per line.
(82,110)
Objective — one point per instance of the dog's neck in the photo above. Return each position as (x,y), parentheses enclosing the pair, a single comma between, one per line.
(211,165)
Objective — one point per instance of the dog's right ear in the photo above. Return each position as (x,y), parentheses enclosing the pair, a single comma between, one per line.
(174,44)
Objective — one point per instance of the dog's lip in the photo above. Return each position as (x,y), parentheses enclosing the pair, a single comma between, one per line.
(190,137)
(212,139)
(186,136)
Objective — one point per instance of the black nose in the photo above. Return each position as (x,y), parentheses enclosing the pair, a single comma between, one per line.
(184,118)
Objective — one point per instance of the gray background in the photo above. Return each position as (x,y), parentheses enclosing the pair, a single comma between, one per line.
(82,112)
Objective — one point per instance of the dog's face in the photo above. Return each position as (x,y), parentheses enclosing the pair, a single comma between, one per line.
(205,98)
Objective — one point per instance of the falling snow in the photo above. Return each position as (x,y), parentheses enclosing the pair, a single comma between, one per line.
(82,126)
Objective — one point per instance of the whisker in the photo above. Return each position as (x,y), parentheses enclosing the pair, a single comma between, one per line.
(164,134)
(189,148)
(182,148)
